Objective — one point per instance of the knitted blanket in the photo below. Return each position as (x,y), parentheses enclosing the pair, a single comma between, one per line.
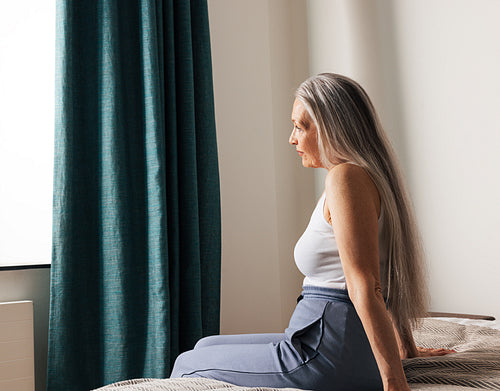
(475,365)
(184,384)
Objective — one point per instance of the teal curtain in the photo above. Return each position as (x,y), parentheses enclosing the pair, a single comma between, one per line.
(136,237)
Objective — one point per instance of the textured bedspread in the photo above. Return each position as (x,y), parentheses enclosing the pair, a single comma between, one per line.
(187,384)
(476,365)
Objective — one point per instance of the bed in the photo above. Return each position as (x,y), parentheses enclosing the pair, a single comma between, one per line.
(475,365)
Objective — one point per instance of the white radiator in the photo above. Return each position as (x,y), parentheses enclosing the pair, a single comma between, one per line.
(16,346)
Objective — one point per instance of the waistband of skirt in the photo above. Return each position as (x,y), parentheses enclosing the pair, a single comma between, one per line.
(317,292)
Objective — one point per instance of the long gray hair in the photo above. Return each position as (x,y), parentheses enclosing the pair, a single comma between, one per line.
(349,130)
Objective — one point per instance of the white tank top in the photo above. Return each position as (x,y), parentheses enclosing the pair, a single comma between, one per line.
(317,256)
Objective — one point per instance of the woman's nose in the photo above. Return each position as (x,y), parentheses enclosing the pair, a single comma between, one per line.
(292,140)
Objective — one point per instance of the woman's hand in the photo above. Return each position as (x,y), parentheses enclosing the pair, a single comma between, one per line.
(431,352)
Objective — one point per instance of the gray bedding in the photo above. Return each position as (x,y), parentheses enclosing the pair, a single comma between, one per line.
(187,384)
(476,365)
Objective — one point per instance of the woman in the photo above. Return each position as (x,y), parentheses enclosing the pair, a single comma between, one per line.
(361,257)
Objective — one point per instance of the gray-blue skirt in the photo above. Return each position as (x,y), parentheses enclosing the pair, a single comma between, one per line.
(324,348)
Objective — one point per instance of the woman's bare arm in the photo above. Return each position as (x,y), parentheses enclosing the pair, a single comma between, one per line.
(354,205)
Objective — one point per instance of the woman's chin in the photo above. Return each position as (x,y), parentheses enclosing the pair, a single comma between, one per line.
(309,164)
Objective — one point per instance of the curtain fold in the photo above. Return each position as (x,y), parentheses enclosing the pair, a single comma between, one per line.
(136,237)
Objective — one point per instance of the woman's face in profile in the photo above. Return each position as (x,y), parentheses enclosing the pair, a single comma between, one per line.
(305,136)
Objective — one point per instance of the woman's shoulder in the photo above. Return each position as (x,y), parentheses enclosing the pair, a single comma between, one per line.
(350,180)
(347,174)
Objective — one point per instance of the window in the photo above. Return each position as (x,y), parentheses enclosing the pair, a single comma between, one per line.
(27,63)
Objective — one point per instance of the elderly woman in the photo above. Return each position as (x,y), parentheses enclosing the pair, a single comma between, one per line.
(360,255)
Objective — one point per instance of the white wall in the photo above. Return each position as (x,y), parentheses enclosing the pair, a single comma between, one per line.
(259,56)
(431,68)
